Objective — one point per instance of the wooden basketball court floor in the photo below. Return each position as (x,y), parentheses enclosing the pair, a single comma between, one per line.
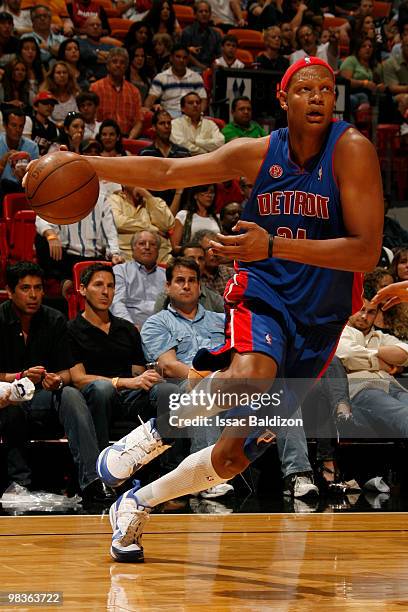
(248,562)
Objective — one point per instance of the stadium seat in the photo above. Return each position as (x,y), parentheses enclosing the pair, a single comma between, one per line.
(381,9)
(217,121)
(184,14)
(333,22)
(110,9)
(147,124)
(76,302)
(245,56)
(394,163)
(250,40)
(21,233)
(12,203)
(134,146)
(119,27)
(20,227)
(4,252)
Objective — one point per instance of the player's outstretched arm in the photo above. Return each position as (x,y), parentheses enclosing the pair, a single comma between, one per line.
(391,295)
(357,171)
(240,157)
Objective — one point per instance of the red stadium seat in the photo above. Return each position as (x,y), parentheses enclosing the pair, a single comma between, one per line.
(21,236)
(333,22)
(134,146)
(20,227)
(217,121)
(12,203)
(245,56)
(4,252)
(184,14)
(76,302)
(250,40)
(381,9)
(147,124)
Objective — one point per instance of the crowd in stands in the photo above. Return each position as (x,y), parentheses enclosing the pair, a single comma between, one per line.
(136,79)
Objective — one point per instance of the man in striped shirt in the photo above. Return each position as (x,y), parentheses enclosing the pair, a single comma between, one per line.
(172,84)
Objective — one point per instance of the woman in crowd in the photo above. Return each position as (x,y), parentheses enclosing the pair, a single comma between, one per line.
(110,137)
(200,214)
(161,19)
(272,58)
(139,33)
(69,53)
(162,46)
(15,87)
(137,72)
(62,84)
(73,132)
(31,55)
(360,69)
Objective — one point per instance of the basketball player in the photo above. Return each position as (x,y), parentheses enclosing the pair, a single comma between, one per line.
(313,222)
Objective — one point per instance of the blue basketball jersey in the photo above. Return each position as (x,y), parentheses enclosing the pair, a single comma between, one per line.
(300,203)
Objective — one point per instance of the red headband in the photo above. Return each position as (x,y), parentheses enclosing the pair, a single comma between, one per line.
(305,62)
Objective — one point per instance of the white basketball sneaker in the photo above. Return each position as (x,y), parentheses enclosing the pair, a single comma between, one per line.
(128,519)
(21,390)
(120,461)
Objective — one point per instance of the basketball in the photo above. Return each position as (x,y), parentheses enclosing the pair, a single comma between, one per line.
(62,187)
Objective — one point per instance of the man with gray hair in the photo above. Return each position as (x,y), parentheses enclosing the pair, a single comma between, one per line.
(139,282)
(119,99)
(48,41)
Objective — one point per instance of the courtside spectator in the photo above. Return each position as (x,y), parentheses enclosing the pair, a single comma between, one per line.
(9,44)
(94,52)
(307,41)
(139,282)
(88,102)
(110,365)
(199,215)
(46,38)
(44,131)
(272,58)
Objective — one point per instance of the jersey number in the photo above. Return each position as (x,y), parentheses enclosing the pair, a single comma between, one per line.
(286,232)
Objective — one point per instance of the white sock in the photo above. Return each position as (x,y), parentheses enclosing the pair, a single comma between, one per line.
(195,473)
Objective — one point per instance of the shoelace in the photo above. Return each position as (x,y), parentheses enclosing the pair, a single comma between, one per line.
(143,516)
(147,445)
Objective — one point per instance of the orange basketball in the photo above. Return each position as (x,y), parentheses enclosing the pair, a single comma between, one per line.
(62,187)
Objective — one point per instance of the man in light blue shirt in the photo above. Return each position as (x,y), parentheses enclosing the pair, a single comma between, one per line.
(139,282)
(172,337)
(13,140)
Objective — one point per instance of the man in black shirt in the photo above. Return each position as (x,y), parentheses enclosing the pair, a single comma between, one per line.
(44,131)
(34,344)
(110,364)
(163,147)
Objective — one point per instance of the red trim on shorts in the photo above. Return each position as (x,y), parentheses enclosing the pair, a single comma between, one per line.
(357,292)
(241,329)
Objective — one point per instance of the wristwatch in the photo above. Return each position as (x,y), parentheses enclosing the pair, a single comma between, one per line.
(61,384)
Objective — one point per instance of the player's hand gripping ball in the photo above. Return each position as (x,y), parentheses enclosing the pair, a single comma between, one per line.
(62,187)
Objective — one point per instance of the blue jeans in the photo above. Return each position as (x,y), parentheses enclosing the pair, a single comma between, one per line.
(107,405)
(386,414)
(50,414)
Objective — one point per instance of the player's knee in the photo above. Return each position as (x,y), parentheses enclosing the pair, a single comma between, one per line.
(228,460)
